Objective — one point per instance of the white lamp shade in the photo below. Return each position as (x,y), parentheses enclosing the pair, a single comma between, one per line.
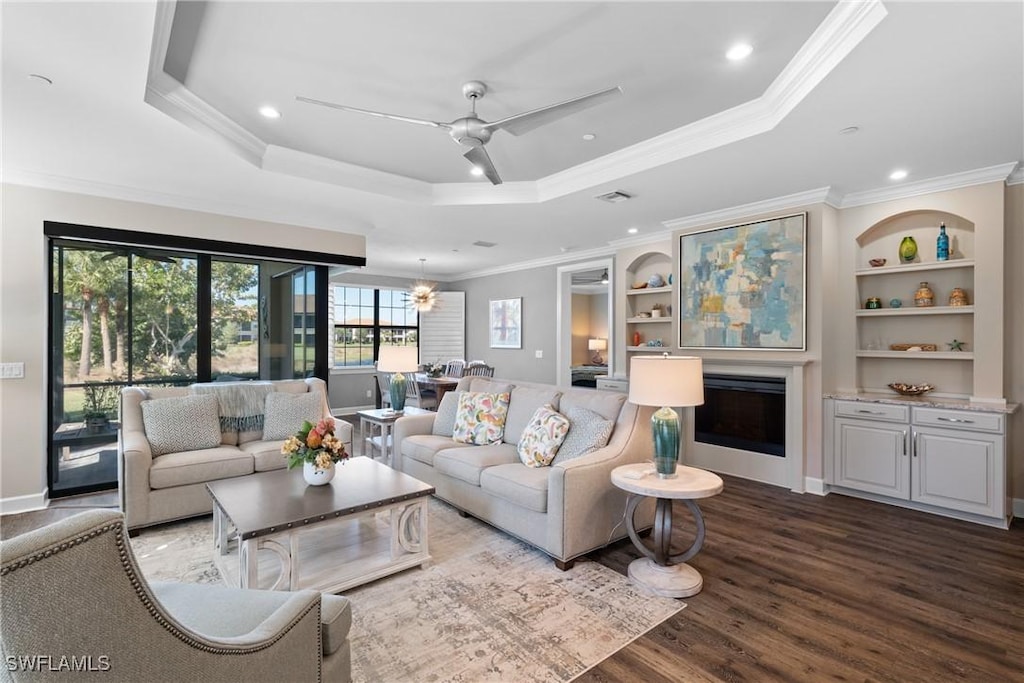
(597,344)
(398,359)
(671,381)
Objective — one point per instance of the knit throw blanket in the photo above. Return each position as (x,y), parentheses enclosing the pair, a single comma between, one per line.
(241,404)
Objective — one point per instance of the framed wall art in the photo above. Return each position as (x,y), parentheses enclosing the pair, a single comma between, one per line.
(506,323)
(744,286)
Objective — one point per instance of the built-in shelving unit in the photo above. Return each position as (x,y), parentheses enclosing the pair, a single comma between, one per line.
(644,299)
(879,328)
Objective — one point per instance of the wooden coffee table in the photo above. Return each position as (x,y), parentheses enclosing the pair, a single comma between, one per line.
(272,530)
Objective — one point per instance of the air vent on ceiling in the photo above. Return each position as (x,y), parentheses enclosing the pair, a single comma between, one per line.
(614,197)
(481,243)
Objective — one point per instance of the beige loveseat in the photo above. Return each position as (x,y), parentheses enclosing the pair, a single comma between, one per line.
(158,487)
(566,509)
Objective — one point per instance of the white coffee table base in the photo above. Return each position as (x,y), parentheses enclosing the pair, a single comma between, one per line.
(672,581)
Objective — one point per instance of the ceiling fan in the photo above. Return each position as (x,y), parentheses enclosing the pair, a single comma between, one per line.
(473,132)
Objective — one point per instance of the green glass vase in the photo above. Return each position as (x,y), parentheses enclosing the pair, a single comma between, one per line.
(908,249)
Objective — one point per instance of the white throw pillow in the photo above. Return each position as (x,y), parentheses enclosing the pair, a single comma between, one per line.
(588,431)
(444,420)
(285,413)
(542,437)
(181,423)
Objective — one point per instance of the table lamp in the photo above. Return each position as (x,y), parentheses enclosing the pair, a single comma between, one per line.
(666,381)
(398,359)
(597,346)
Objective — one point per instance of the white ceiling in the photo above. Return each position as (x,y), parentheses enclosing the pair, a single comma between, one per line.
(936,88)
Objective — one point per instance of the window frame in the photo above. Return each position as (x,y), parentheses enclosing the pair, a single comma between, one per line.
(376,328)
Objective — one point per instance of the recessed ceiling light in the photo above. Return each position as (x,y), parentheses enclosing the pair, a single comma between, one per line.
(633,231)
(589,136)
(476,170)
(849,130)
(739,51)
(898,174)
(38,78)
(269,112)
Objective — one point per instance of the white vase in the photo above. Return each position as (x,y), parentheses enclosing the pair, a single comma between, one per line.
(315,476)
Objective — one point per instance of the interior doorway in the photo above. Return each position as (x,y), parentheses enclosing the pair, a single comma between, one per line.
(585,322)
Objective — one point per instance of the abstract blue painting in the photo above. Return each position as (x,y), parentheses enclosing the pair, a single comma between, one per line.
(743,287)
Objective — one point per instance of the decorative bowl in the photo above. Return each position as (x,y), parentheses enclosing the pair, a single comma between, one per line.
(910,389)
(877,262)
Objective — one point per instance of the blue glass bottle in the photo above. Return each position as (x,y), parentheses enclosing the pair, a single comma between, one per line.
(942,244)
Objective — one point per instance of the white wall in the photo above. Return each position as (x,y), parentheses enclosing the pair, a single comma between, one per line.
(23,302)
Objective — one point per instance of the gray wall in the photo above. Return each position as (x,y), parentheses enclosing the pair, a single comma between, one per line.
(538,289)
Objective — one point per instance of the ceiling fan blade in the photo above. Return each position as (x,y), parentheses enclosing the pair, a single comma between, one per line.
(517,124)
(393,117)
(478,157)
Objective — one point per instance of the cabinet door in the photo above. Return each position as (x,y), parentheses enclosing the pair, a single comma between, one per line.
(959,470)
(872,457)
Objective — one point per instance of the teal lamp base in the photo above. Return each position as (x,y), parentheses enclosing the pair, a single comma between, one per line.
(665,428)
(398,388)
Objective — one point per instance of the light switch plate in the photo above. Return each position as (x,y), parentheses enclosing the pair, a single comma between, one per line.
(538,354)
(12,370)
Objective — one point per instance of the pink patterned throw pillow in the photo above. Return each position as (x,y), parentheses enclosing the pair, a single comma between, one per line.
(480,418)
(542,437)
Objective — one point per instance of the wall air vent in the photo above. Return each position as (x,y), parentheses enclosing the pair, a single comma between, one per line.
(481,243)
(614,197)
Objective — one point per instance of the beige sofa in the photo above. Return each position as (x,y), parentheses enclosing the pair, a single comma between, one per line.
(567,509)
(161,488)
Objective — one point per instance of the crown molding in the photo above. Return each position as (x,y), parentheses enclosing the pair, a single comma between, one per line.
(165,93)
(953,181)
(262,213)
(791,201)
(1016,177)
(841,31)
(597,252)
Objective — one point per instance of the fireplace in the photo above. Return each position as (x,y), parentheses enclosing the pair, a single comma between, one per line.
(747,413)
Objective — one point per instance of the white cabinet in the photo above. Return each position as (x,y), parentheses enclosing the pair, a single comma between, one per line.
(959,470)
(872,457)
(941,460)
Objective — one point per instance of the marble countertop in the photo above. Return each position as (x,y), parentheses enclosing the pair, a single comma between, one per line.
(926,402)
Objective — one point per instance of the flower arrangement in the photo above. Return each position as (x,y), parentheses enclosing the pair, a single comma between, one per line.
(315,444)
(435,369)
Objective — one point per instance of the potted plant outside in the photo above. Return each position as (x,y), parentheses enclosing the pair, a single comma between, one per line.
(100,404)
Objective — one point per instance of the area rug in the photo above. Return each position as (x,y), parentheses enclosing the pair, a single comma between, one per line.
(487,608)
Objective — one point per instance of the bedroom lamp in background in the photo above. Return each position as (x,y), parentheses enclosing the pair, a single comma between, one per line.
(597,346)
(666,381)
(398,359)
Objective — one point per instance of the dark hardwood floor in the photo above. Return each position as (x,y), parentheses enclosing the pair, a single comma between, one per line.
(810,588)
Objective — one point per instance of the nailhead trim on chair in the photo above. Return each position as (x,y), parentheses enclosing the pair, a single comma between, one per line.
(147,600)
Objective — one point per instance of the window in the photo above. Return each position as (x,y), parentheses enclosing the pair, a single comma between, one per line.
(365,318)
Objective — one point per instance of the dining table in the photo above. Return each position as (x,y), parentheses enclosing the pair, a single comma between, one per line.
(439,385)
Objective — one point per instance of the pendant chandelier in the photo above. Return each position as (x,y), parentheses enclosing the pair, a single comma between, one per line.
(423,296)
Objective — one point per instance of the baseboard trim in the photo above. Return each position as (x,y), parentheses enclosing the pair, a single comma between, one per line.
(815,486)
(16,504)
(350,410)
(1018,508)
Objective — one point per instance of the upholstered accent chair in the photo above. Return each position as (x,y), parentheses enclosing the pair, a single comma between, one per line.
(73,589)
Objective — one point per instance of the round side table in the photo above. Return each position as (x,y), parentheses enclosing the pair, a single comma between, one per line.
(659,570)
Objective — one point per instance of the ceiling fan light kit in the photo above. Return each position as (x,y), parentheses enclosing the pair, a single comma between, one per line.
(473,132)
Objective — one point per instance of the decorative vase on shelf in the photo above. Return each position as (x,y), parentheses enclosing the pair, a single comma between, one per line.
(908,249)
(636,339)
(924,296)
(958,297)
(315,476)
(942,244)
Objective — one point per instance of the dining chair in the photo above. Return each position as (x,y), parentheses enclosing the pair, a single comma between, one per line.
(417,399)
(455,368)
(384,387)
(475,369)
